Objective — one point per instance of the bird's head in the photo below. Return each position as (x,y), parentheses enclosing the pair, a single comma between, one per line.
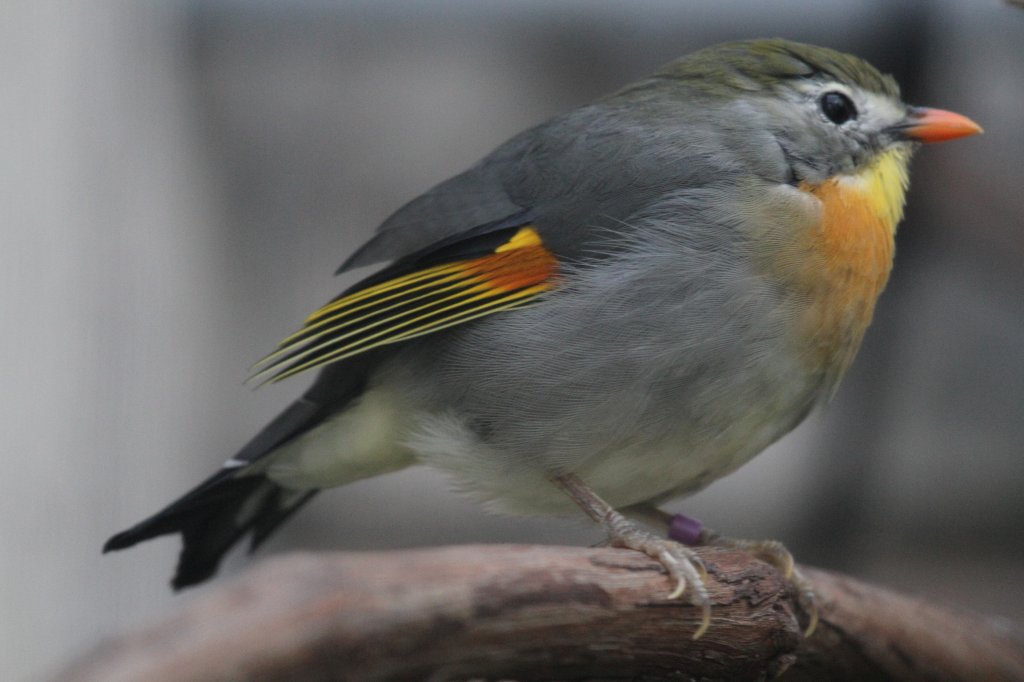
(833,115)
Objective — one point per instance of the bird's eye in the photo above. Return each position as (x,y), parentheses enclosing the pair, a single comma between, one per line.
(837,107)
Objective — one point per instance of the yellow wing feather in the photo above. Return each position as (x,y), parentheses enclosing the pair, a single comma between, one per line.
(416,303)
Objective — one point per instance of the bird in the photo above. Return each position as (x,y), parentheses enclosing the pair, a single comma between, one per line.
(610,310)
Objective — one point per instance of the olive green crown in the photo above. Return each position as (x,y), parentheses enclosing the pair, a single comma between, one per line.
(760,64)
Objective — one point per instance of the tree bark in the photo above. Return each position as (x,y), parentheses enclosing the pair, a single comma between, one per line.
(545,613)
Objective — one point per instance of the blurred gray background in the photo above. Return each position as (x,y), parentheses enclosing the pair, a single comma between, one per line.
(178,180)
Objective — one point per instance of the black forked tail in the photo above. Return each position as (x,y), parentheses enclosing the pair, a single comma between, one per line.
(212,518)
(217,513)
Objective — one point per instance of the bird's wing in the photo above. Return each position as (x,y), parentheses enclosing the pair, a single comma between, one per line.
(475,197)
(565,170)
(583,176)
(494,267)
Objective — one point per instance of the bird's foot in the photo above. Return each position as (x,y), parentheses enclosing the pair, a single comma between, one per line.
(691,532)
(684,567)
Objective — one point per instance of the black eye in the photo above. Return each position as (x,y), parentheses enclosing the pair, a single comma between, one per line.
(837,107)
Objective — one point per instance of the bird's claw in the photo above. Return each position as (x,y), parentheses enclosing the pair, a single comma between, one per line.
(776,554)
(684,567)
(807,598)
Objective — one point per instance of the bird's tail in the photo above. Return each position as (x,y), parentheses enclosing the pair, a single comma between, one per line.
(213,517)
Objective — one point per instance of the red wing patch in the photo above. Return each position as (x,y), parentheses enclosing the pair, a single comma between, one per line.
(416,303)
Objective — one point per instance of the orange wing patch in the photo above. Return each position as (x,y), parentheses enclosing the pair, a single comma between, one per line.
(416,303)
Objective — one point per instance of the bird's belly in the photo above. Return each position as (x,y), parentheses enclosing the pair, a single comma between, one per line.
(681,464)
(640,462)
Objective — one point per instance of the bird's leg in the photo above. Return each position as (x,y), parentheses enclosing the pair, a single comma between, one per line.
(690,531)
(683,565)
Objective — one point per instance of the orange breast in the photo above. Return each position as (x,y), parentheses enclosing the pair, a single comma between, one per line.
(848,257)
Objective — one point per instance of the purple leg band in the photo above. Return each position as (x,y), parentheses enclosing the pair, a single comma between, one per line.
(685,529)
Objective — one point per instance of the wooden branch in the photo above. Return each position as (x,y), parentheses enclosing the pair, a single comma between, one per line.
(544,613)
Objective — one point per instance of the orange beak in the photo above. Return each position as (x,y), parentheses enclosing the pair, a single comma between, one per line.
(935,125)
